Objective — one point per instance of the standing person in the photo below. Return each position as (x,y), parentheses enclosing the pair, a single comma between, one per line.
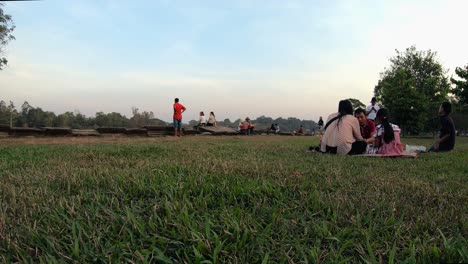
(342,133)
(178,110)
(387,137)
(446,140)
(211,120)
(320,125)
(367,126)
(371,110)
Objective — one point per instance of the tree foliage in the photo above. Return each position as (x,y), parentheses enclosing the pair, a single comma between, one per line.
(412,89)
(29,116)
(8,113)
(461,86)
(356,103)
(6,27)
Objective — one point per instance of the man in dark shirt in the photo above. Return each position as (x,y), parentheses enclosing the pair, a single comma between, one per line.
(446,140)
(367,126)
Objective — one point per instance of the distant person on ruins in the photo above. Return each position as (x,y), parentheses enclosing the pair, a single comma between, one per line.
(241,123)
(178,110)
(250,126)
(212,120)
(342,133)
(244,127)
(272,129)
(300,130)
(446,140)
(202,120)
(371,110)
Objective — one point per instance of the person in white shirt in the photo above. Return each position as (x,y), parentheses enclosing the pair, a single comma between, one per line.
(202,120)
(372,109)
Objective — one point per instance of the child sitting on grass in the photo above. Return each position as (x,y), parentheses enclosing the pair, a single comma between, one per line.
(387,136)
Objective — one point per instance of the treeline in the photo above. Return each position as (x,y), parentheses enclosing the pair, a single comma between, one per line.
(29,116)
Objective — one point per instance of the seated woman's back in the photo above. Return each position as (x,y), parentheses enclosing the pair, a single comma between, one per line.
(341,133)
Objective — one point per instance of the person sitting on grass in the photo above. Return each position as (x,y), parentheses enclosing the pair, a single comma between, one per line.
(342,133)
(387,136)
(211,120)
(366,125)
(446,140)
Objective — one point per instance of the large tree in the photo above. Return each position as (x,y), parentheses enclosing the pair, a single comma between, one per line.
(6,27)
(412,89)
(461,86)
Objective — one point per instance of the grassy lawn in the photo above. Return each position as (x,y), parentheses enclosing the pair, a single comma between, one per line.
(228,199)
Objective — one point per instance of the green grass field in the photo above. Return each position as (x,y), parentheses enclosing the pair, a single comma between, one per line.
(228,199)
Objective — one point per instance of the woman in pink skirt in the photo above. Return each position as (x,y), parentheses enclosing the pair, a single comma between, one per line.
(387,137)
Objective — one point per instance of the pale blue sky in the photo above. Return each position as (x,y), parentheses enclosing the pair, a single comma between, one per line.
(237,58)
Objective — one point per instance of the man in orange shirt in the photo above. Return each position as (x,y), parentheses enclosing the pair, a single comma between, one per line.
(178,110)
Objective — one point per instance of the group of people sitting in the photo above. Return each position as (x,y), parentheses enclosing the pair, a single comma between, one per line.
(299,130)
(350,134)
(274,128)
(246,127)
(371,132)
(204,122)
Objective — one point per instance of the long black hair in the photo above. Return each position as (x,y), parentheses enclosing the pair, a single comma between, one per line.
(389,135)
(344,108)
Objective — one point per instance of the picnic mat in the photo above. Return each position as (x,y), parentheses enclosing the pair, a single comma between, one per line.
(404,155)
